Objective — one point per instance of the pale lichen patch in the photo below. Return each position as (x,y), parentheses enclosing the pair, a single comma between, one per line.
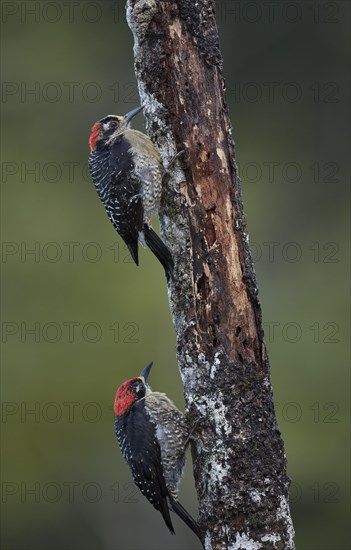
(216,409)
(255,496)
(243,542)
(207,541)
(283,515)
(139,17)
(272,538)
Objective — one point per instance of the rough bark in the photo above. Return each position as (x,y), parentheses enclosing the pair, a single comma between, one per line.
(239,461)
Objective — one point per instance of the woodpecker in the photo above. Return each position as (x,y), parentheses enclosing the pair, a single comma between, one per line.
(127,172)
(153,435)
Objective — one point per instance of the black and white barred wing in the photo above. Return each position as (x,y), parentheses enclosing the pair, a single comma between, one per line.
(141,451)
(120,196)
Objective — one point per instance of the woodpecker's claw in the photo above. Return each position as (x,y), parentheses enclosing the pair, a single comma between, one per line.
(167,173)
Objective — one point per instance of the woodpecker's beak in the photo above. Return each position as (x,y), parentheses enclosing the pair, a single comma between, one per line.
(128,117)
(145,373)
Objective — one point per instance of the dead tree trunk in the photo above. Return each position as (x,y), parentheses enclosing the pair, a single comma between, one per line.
(239,461)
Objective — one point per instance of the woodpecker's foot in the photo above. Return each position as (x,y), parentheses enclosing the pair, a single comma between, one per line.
(196,433)
(173,159)
(167,174)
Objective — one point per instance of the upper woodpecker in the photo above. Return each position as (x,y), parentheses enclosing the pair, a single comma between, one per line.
(152,434)
(127,172)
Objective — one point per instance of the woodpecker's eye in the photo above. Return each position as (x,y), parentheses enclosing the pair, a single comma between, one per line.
(113,124)
(138,388)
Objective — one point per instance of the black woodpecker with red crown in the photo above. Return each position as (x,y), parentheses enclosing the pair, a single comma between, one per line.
(127,172)
(153,435)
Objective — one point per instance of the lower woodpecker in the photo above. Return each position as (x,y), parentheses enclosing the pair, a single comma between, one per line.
(126,169)
(153,435)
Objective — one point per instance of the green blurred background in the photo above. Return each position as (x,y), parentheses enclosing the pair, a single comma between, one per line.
(78,318)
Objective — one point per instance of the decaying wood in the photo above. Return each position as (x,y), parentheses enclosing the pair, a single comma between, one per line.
(239,461)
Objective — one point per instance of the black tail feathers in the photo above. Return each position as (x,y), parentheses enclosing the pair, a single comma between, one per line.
(133,249)
(158,247)
(185,516)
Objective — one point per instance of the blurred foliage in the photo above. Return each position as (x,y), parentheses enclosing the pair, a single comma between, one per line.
(78,317)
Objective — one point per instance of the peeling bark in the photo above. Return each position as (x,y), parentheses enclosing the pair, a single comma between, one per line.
(239,460)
